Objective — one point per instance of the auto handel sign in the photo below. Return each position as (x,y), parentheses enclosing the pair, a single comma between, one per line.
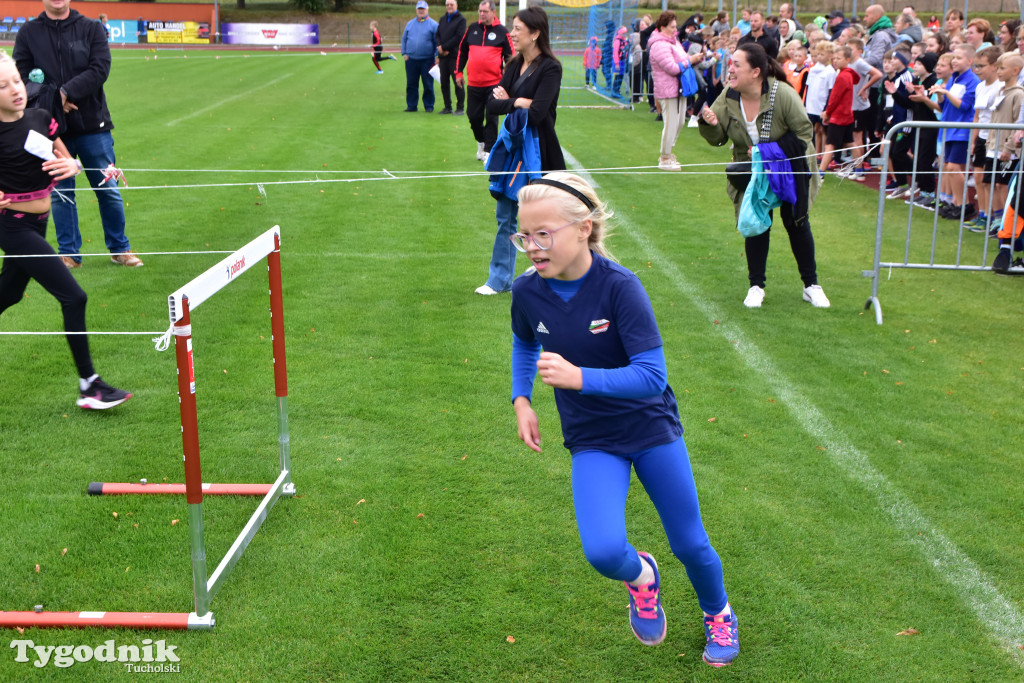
(270,34)
(176,32)
(151,656)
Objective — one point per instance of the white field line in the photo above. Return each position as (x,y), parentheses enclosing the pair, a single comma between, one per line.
(1002,621)
(228,99)
(578,168)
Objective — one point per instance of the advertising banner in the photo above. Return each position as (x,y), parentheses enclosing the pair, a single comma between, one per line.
(190,32)
(270,34)
(123,31)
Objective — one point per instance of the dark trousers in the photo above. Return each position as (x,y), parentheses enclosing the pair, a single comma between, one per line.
(904,161)
(800,240)
(24,234)
(417,70)
(376,57)
(447,66)
(484,125)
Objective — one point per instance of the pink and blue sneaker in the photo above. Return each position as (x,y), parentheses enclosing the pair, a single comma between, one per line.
(723,639)
(646,617)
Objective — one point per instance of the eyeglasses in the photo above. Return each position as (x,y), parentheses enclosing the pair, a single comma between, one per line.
(543,239)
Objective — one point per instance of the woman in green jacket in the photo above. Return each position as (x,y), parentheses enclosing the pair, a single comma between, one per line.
(737,116)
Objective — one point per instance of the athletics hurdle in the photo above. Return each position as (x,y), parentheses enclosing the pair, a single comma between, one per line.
(205,587)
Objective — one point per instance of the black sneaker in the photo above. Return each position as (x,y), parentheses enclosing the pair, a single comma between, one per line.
(460,112)
(446,110)
(100,396)
(950,211)
(970,212)
(1001,264)
(925,200)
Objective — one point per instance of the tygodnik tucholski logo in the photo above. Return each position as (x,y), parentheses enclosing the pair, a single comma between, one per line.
(150,657)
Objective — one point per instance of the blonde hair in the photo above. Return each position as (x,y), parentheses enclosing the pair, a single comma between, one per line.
(572,208)
(826,46)
(1011,60)
(4,57)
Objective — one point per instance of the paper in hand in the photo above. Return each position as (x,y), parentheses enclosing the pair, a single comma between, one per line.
(39,145)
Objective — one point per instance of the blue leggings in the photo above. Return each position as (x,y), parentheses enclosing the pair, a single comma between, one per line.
(600,482)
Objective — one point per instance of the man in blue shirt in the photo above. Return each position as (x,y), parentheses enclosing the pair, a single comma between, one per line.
(418,50)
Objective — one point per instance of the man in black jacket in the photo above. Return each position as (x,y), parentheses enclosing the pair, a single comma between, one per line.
(74,57)
(450,30)
(758,34)
(837,23)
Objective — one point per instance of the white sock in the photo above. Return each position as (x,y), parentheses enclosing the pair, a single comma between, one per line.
(83,383)
(646,574)
(727,610)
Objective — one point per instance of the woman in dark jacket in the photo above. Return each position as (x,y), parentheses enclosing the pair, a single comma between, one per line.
(532,81)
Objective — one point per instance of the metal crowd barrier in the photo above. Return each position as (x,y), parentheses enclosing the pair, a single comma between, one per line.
(965,254)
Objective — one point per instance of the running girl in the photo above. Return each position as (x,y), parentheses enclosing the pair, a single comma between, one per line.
(586,325)
(32,161)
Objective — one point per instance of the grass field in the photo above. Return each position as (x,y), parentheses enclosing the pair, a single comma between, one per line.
(857,480)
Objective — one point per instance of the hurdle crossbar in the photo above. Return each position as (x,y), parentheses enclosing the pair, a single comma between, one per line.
(165,620)
(180,305)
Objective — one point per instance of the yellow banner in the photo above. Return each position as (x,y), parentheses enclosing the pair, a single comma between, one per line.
(178,32)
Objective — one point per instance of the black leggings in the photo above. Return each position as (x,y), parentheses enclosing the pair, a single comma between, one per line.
(24,234)
(800,240)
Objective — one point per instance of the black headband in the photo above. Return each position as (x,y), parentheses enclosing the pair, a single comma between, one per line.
(568,188)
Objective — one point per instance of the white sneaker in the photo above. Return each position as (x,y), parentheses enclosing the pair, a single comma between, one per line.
(486,156)
(816,296)
(668,164)
(692,123)
(480,151)
(755,296)
(485,290)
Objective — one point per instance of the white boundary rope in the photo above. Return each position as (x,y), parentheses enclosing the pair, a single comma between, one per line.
(714,168)
(384,174)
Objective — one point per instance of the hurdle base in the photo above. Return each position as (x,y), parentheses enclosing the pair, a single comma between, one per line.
(98,488)
(138,620)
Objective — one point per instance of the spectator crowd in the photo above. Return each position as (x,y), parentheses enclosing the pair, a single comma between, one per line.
(858,78)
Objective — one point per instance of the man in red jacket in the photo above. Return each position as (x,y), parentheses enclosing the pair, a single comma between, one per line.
(838,114)
(482,54)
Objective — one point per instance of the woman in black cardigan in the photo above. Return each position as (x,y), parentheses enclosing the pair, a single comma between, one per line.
(532,81)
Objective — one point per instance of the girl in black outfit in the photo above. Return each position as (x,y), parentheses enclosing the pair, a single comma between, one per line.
(32,161)
(921,108)
(532,81)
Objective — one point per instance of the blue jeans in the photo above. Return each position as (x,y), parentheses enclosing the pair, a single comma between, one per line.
(96,152)
(600,482)
(502,269)
(417,70)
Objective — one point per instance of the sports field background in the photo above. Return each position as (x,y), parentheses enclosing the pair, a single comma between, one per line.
(857,480)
